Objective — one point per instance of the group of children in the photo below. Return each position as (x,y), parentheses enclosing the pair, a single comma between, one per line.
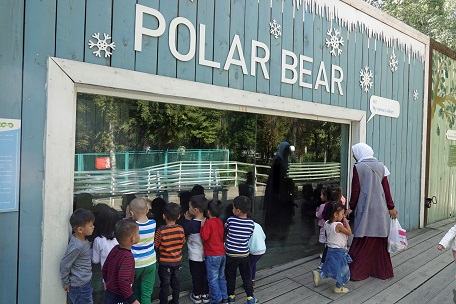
(128,251)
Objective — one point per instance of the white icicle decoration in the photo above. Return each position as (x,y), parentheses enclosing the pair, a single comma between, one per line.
(351,18)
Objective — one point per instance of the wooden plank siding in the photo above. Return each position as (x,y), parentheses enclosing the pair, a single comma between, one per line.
(186,70)
(147,60)
(11,31)
(96,21)
(222,41)
(205,15)
(318,45)
(264,10)
(390,79)
(309,52)
(237,21)
(251,33)
(287,44)
(298,47)
(276,50)
(167,64)
(39,45)
(123,34)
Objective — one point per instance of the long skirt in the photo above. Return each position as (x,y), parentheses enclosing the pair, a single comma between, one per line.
(370,259)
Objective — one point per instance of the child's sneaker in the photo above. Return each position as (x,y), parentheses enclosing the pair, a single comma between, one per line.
(224,301)
(341,289)
(232,299)
(206,298)
(195,299)
(316,275)
(252,300)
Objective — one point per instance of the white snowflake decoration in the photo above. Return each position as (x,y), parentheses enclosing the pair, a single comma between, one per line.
(393,63)
(367,78)
(102,45)
(334,42)
(415,95)
(275,29)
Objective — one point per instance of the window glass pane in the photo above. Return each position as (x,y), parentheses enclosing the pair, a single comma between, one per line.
(127,148)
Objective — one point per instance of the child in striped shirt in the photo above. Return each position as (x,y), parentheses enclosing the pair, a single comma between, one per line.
(169,240)
(239,229)
(119,268)
(144,251)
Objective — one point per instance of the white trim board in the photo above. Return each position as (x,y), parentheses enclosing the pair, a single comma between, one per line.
(66,78)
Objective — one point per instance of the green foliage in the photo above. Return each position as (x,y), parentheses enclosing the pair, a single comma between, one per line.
(107,124)
(435,18)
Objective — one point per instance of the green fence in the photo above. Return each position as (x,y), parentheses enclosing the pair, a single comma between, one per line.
(141,159)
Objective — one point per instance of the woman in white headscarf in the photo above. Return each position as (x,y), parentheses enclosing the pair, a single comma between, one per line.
(372,207)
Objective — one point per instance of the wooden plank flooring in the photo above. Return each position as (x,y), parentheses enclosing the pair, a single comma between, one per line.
(423,274)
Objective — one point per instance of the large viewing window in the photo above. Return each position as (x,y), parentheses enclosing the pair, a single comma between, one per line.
(133,148)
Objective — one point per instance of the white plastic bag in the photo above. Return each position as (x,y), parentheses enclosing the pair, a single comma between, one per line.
(397,239)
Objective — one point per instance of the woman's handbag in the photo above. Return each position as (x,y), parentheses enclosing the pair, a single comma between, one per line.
(397,240)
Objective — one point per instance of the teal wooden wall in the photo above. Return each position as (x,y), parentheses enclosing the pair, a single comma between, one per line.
(11,31)
(35,30)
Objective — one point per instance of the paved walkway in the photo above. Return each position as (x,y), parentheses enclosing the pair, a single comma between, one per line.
(423,274)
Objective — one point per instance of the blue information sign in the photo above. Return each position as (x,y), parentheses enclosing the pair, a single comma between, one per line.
(10,140)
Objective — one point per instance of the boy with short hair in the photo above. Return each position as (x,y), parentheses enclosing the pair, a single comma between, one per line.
(212,233)
(196,259)
(76,264)
(239,229)
(143,251)
(169,240)
(119,268)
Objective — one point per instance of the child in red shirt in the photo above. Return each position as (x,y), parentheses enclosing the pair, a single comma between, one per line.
(212,232)
(119,268)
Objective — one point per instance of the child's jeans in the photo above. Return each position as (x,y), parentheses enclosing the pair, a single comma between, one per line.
(215,266)
(81,294)
(169,276)
(112,298)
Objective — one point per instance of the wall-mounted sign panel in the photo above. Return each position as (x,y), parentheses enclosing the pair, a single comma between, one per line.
(451,134)
(10,135)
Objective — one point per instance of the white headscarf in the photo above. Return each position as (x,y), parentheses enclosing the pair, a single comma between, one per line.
(363,151)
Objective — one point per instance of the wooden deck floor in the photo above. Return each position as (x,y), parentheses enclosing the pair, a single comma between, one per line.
(423,274)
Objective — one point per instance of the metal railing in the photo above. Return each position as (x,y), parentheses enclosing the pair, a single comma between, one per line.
(177,176)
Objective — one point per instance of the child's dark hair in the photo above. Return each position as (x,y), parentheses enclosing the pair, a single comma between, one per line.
(172,211)
(332,208)
(334,194)
(215,207)
(157,206)
(199,202)
(184,198)
(81,217)
(126,200)
(106,222)
(124,229)
(197,190)
(242,203)
(324,191)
